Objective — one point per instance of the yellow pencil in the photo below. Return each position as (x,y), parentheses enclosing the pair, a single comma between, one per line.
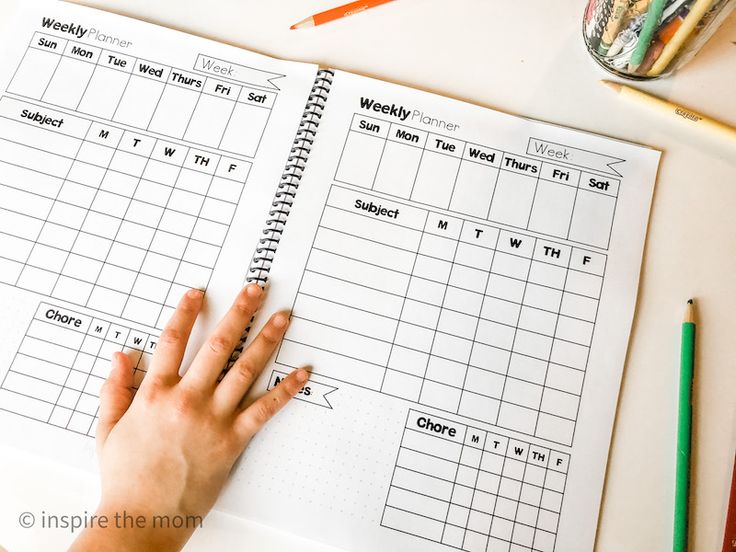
(683,115)
(697,11)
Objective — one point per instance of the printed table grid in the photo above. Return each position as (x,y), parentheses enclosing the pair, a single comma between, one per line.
(546,197)
(474,490)
(116,221)
(61,364)
(360,317)
(143,94)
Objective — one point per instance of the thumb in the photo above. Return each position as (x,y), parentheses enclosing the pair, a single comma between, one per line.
(115,396)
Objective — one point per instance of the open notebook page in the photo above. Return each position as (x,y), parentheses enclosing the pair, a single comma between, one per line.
(463,284)
(135,162)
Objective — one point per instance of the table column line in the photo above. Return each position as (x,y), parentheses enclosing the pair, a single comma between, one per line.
(554,335)
(477,322)
(544,483)
(500,475)
(396,462)
(122,221)
(95,416)
(125,89)
(457,176)
(534,197)
(380,158)
(66,379)
(444,296)
(454,483)
(158,102)
(587,358)
(86,214)
(53,203)
(20,64)
(58,62)
(172,188)
(518,500)
(403,303)
(229,118)
(200,93)
(419,165)
(516,330)
(189,240)
(86,379)
(495,186)
(96,64)
(17,352)
(475,484)
(574,203)
(564,487)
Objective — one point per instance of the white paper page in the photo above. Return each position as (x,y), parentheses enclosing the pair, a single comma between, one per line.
(463,284)
(135,161)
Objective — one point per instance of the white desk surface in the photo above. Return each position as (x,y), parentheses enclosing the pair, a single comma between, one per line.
(525,58)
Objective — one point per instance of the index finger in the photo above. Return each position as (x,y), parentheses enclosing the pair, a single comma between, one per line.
(173,339)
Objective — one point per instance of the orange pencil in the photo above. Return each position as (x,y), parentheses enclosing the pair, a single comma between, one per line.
(337,13)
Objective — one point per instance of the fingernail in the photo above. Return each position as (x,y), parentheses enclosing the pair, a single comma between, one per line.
(280,320)
(195,293)
(302,375)
(253,290)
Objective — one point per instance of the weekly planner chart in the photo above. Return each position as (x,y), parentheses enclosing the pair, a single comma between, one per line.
(136,162)
(461,282)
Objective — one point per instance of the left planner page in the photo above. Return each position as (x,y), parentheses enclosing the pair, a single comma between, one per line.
(135,162)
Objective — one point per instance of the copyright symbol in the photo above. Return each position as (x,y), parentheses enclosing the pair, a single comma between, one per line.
(26,520)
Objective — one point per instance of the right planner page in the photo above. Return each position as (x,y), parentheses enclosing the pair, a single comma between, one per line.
(462,285)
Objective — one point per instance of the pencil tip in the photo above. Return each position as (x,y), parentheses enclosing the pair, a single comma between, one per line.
(308,22)
(689,311)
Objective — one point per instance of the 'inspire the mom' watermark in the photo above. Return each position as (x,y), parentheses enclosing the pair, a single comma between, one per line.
(118,520)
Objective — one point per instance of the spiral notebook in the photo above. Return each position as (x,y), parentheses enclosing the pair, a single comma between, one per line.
(462,281)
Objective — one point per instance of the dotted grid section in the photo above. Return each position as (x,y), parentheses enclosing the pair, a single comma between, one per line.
(143,94)
(546,197)
(109,219)
(474,490)
(360,319)
(61,364)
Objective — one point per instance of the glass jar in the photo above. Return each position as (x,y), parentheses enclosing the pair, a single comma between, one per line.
(648,39)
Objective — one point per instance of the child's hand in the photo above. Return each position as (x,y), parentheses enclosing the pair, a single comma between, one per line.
(169,450)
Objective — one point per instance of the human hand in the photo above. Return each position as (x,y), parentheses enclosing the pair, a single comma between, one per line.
(168,450)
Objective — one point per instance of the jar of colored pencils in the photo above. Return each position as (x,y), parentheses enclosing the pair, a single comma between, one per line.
(647,39)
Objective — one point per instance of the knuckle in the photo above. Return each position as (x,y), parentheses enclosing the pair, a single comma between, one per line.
(147,392)
(187,305)
(220,344)
(185,401)
(262,412)
(246,369)
(154,381)
(243,307)
(170,336)
(271,335)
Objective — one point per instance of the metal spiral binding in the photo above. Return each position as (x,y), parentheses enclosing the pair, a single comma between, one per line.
(288,186)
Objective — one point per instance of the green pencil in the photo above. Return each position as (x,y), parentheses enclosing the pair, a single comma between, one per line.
(647,33)
(684,428)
